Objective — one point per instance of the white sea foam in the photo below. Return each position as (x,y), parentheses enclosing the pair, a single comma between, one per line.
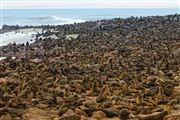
(18,37)
(26,35)
(38,21)
(67,20)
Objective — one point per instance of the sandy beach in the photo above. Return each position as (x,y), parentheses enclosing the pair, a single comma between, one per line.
(19,36)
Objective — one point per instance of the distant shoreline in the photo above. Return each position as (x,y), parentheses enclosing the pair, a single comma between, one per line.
(25,32)
(53,17)
(9,28)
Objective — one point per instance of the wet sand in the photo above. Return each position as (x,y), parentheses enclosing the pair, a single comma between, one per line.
(19,36)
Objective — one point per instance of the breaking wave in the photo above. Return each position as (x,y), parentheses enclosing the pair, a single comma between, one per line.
(60,20)
(45,20)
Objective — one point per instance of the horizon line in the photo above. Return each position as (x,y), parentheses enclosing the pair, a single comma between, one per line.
(101,8)
(39,4)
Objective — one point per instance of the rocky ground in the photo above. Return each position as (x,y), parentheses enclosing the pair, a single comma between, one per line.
(119,69)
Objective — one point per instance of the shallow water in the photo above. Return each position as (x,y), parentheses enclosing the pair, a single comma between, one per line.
(18,38)
(2,58)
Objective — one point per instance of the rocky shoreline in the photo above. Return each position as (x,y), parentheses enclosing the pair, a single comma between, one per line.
(118,69)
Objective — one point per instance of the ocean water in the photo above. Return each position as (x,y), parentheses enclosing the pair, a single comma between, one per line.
(69,16)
